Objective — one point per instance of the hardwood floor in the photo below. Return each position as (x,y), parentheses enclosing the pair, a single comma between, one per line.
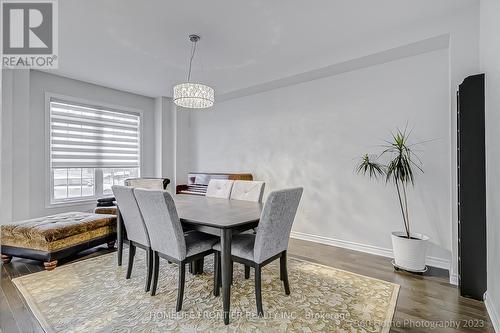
(426,303)
(423,300)
(15,316)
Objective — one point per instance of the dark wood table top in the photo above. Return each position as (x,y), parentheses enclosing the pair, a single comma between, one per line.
(217,213)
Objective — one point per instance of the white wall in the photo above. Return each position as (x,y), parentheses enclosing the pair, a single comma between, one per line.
(183,142)
(14,168)
(23,142)
(460,26)
(462,29)
(490,64)
(311,135)
(165,129)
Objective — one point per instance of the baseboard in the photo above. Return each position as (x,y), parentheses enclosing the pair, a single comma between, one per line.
(379,251)
(454,279)
(494,317)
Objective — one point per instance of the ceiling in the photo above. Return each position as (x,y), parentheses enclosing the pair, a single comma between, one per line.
(142,46)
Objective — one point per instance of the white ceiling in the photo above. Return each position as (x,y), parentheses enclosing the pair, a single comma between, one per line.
(142,46)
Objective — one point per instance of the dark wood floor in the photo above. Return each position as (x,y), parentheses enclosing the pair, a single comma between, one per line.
(15,316)
(426,303)
(423,300)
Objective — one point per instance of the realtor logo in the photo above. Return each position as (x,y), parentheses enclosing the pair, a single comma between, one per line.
(29,34)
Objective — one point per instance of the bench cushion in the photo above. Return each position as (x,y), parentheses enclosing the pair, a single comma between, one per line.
(55,232)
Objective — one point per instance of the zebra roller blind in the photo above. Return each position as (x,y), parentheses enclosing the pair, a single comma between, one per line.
(83,136)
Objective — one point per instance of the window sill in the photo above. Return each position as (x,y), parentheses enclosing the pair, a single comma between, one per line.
(72,203)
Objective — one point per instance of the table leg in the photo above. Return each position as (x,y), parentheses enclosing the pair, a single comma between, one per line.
(119,236)
(225,240)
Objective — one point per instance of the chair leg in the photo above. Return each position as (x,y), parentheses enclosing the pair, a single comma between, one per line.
(191,269)
(216,274)
(258,290)
(196,266)
(247,272)
(284,273)
(219,273)
(131,255)
(149,257)
(180,287)
(156,268)
(231,272)
(119,237)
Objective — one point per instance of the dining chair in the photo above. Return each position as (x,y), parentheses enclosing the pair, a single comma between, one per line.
(247,190)
(168,239)
(135,227)
(269,244)
(144,182)
(219,188)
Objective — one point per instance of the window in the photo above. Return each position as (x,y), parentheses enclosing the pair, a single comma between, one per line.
(91,149)
(117,176)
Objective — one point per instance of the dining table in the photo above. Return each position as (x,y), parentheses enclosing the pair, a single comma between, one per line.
(214,216)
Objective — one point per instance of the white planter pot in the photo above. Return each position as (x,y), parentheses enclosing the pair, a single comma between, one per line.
(409,253)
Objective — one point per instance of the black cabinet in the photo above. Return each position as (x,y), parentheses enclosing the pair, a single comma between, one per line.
(471,188)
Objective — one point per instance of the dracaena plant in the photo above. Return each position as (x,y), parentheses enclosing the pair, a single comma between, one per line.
(399,168)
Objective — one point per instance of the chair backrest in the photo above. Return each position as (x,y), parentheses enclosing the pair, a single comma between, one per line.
(219,188)
(148,183)
(247,190)
(276,223)
(162,221)
(131,215)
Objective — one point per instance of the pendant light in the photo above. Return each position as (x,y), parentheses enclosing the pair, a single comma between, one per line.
(192,95)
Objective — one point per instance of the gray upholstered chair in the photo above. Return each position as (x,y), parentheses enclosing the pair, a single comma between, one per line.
(270,242)
(137,233)
(168,239)
(247,190)
(144,182)
(219,188)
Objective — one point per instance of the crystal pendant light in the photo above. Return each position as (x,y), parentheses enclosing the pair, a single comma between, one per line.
(193,95)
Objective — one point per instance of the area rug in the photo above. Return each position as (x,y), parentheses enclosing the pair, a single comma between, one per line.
(94,296)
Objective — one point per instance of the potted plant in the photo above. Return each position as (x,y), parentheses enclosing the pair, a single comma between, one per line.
(399,169)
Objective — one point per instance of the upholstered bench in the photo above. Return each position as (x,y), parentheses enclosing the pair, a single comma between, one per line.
(54,237)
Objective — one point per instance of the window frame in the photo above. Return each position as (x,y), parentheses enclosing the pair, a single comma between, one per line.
(50,202)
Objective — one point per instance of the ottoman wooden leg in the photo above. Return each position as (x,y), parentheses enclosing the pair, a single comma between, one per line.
(50,265)
(6,259)
(111,245)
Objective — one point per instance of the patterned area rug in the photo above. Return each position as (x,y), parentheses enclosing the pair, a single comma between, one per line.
(94,296)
